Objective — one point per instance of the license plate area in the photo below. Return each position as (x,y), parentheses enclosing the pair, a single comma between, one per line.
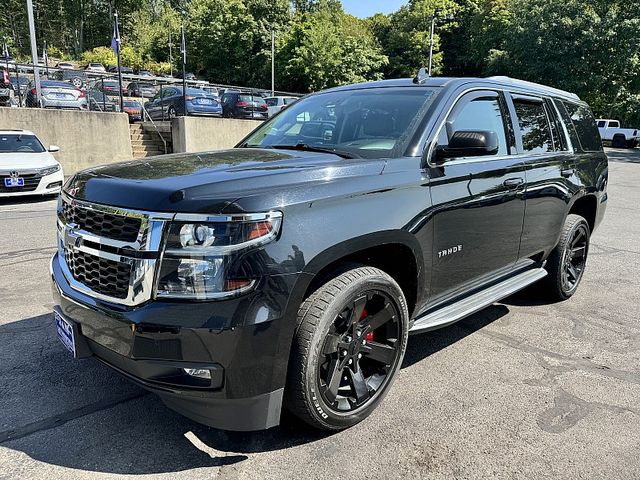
(66,334)
(14,182)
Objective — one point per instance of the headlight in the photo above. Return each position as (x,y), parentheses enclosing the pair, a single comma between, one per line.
(198,254)
(49,170)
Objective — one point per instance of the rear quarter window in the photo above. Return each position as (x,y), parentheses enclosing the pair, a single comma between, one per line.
(584,125)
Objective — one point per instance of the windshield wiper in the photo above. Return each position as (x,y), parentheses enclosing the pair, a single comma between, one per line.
(311,148)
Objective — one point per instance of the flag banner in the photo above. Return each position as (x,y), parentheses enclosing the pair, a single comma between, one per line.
(5,49)
(115,39)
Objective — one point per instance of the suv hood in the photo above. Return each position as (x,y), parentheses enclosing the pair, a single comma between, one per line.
(209,182)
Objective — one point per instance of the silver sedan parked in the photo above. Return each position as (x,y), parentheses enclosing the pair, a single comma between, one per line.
(57,94)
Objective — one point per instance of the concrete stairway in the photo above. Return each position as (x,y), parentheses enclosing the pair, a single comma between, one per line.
(145,140)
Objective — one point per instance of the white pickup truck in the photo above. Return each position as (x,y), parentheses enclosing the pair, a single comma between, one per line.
(610,132)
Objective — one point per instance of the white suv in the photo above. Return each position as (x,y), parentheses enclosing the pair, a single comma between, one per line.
(275,104)
(26,167)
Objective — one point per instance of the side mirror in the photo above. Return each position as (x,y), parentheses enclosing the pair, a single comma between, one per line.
(468,143)
(54,148)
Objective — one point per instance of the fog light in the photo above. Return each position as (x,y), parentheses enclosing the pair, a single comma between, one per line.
(198,373)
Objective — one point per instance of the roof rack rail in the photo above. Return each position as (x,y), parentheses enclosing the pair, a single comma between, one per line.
(524,83)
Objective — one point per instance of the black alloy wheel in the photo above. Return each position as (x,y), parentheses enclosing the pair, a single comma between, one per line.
(348,347)
(575,257)
(568,260)
(359,351)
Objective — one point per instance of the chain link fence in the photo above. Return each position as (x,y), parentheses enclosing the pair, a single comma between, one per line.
(142,97)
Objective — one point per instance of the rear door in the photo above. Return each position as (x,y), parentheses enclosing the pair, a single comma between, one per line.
(479,201)
(543,144)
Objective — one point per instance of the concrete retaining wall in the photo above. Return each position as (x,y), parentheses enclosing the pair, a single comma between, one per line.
(197,134)
(85,139)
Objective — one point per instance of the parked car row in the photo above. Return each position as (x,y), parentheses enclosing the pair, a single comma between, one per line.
(76,89)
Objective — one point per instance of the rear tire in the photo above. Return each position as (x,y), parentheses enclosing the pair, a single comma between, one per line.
(568,259)
(350,342)
(619,141)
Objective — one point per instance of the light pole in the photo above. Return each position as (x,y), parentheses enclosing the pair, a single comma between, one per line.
(433,27)
(273,62)
(170,55)
(34,50)
(447,17)
(183,51)
(118,43)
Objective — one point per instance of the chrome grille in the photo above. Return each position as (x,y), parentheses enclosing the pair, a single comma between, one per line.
(99,274)
(109,253)
(118,227)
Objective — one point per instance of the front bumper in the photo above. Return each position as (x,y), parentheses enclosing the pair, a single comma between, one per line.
(48,185)
(239,340)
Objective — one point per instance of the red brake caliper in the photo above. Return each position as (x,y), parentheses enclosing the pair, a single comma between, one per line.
(369,336)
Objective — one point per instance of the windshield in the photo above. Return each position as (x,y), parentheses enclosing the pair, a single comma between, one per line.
(370,123)
(20,143)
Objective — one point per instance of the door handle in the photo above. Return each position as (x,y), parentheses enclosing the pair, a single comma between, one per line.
(513,182)
(567,172)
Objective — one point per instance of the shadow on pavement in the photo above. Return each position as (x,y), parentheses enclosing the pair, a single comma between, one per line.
(27,199)
(624,155)
(81,415)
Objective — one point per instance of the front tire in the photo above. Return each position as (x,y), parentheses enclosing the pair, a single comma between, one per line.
(568,259)
(348,348)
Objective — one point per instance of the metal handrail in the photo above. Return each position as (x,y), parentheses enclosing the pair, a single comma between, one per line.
(144,110)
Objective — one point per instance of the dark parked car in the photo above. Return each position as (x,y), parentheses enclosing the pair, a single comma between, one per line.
(243,105)
(291,270)
(100,102)
(19,85)
(168,103)
(133,109)
(125,70)
(110,87)
(141,89)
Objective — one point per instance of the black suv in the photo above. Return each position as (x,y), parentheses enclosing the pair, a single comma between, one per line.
(244,105)
(291,269)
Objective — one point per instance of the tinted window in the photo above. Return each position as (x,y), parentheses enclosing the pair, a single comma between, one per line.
(248,98)
(601,123)
(369,123)
(614,124)
(534,126)
(20,143)
(272,102)
(585,126)
(559,138)
(477,115)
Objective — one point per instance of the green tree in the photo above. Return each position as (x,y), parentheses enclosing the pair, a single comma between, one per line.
(405,38)
(328,48)
(590,47)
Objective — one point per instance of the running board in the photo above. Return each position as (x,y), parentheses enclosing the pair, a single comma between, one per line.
(449,314)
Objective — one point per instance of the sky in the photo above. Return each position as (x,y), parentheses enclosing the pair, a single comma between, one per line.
(366,8)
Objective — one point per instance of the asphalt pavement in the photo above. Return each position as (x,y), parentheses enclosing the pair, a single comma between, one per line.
(523,389)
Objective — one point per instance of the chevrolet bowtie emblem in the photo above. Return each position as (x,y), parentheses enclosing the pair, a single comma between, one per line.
(71,238)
